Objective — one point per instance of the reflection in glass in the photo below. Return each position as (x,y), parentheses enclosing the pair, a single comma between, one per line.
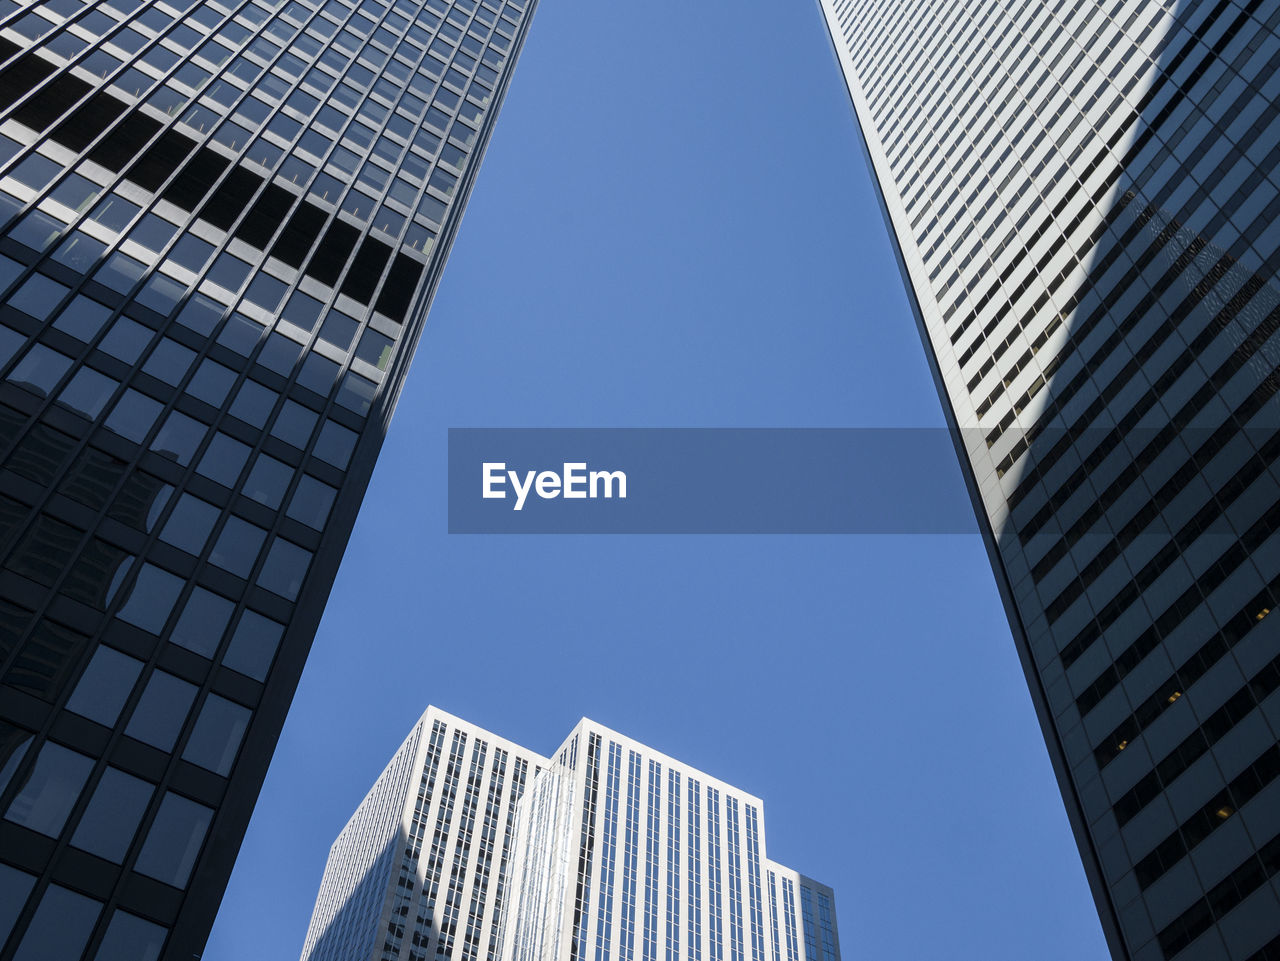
(51,790)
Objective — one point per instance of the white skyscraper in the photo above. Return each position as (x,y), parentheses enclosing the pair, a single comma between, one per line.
(607,849)
(1085,204)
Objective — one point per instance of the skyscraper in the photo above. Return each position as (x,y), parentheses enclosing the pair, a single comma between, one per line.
(1084,202)
(222,224)
(469,846)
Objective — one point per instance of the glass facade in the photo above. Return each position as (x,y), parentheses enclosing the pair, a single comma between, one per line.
(220,228)
(1085,205)
(600,800)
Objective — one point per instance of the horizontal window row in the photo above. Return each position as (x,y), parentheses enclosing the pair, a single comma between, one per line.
(44,790)
(64,920)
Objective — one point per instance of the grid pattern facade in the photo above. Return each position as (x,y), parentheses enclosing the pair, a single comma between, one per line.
(344,923)
(631,855)
(596,852)
(416,873)
(1086,208)
(220,227)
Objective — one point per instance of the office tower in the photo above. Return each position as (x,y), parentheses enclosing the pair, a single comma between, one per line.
(1084,203)
(222,223)
(432,837)
(605,849)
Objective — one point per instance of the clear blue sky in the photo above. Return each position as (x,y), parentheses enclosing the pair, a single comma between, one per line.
(674,227)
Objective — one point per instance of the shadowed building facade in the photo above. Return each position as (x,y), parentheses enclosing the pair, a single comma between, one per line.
(1085,206)
(470,846)
(221,225)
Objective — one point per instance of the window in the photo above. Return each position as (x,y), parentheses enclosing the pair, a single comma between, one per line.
(203,622)
(268,481)
(38,297)
(130,938)
(191,252)
(318,374)
(10,342)
(253,645)
(79,252)
(169,361)
(266,292)
(36,172)
(114,212)
(311,502)
(389,221)
(294,424)
(375,349)
(339,330)
(15,885)
(105,686)
(438,119)
(216,737)
(189,525)
(126,340)
(431,208)
(133,416)
(161,293)
(75,192)
(110,821)
(454,156)
(253,403)
(61,926)
(141,501)
(120,272)
(285,568)
(40,370)
(174,841)
(151,599)
(211,382)
(335,444)
(153,232)
(223,460)
(37,229)
(201,314)
(179,438)
(356,393)
(279,354)
(88,392)
(51,790)
(302,311)
(161,711)
(229,272)
(403,192)
(238,546)
(82,318)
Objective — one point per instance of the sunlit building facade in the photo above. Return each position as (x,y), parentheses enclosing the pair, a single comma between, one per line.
(221,224)
(1085,204)
(469,847)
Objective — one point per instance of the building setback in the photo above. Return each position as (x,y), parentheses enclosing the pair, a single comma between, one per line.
(1085,206)
(221,224)
(606,849)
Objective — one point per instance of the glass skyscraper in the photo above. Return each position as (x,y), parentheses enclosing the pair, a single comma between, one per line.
(1085,204)
(470,846)
(221,224)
